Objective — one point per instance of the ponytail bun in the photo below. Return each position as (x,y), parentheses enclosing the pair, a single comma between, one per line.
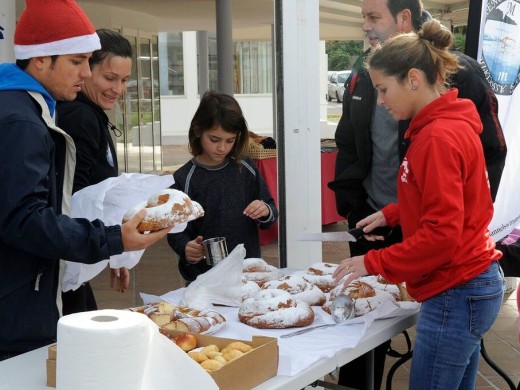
(435,33)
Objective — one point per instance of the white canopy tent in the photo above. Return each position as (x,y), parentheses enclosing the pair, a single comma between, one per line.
(296,27)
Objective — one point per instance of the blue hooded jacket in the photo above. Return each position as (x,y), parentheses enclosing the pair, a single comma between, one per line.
(34,234)
(12,78)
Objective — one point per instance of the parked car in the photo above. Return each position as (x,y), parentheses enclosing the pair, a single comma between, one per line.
(336,85)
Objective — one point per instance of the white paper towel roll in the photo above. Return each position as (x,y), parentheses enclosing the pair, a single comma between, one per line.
(111,349)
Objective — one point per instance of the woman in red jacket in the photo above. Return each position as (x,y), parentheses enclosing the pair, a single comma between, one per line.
(447,258)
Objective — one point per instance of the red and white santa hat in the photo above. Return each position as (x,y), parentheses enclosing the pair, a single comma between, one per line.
(53,27)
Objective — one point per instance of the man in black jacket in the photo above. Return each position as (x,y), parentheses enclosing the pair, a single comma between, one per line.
(371,143)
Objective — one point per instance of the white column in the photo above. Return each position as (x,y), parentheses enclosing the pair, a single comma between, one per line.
(191,83)
(301,98)
(163,63)
(7,26)
(326,130)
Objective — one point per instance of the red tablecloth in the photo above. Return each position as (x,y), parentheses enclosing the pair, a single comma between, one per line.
(268,169)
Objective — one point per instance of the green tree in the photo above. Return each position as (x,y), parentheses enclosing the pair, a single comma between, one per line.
(342,54)
(459,41)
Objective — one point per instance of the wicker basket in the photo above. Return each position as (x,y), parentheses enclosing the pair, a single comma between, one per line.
(257,153)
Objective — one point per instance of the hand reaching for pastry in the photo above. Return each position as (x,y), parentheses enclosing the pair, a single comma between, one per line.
(354,267)
(257,209)
(194,251)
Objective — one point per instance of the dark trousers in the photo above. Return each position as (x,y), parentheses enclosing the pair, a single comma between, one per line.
(353,373)
(76,301)
(510,262)
(79,300)
(361,247)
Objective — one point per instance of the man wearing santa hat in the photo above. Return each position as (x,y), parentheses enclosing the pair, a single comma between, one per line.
(53,41)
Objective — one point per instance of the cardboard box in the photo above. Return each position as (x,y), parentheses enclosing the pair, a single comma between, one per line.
(247,371)
(51,366)
(243,373)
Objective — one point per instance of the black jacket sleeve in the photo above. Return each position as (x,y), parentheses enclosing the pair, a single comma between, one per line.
(510,262)
(472,84)
(29,218)
(353,141)
(82,125)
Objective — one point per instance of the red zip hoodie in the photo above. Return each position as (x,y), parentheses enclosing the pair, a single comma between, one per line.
(444,205)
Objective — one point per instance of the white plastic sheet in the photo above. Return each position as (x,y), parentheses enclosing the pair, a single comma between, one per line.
(108,201)
(220,285)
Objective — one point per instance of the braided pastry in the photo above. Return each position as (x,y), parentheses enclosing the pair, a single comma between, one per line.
(275,309)
(366,298)
(320,274)
(258,271)
(299,288)
(182,318)
(249,289)
(165,210)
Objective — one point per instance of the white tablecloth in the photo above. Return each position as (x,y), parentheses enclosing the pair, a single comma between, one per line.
(294,355)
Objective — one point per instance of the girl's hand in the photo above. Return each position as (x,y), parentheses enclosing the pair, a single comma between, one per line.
(257,209)
(194,251)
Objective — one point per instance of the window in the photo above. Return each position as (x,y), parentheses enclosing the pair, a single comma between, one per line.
(252,65)
(171,63)
(252,69)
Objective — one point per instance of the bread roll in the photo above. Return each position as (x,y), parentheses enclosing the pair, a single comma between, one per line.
(232,354)
(242,347)
(186,341)
(212,354)
(211,365)
(210,348)
(220,358)
(199,357)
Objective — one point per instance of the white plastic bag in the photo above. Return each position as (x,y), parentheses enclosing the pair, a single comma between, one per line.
(108,201)
(221,285)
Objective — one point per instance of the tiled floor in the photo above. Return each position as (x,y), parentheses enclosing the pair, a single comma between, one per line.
(157,274)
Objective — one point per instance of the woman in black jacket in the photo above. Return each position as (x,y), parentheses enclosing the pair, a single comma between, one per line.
(86,122)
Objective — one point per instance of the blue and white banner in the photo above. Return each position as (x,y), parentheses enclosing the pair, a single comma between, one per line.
(499,56)
(7,26)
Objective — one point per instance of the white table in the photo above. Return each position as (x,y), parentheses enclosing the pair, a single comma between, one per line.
(379,332)
(28,371)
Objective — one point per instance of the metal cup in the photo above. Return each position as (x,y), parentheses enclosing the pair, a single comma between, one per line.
(215,250)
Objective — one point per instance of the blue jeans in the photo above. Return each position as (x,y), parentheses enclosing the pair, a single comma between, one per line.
(449,329)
